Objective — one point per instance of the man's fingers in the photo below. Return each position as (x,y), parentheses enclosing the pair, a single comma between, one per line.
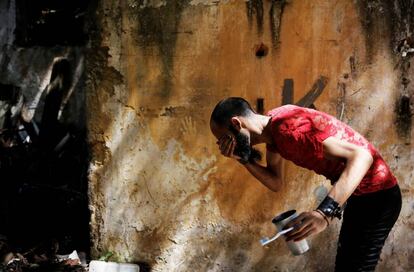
(292,223)
(295,222)
(304,235)
(298,233)
(223,139)
(299,228)
(223,145)
(227,147)
(226,144)
(233,146)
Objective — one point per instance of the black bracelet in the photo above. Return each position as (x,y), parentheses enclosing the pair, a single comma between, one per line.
(330,208)
(323,215)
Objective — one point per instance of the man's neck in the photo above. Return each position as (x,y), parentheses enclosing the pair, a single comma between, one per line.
(263,133)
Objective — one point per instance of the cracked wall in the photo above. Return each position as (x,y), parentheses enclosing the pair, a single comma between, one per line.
(160,192)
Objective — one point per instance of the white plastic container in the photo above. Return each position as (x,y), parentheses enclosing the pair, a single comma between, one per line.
(297,248)
(101,266)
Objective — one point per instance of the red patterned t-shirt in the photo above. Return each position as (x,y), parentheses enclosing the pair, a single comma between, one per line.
(298,134)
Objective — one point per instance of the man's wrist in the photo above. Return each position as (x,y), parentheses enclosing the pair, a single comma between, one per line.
(324,216)
(330,208)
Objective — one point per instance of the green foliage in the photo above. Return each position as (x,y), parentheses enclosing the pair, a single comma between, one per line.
(106,256)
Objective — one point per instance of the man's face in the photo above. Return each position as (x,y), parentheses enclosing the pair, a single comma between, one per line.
(243,148)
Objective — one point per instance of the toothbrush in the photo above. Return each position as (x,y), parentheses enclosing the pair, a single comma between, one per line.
(265,240)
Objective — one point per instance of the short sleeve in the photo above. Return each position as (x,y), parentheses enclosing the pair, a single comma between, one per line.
(317,138)
(323,127)
(300,137)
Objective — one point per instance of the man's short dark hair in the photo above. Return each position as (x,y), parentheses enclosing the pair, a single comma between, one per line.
(228,108)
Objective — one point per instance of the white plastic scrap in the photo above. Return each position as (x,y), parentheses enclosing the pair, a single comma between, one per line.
(73,256)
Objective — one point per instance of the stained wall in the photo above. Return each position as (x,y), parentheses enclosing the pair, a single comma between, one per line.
(161,193)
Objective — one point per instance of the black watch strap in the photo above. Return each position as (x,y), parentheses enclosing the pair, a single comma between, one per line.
(330,208)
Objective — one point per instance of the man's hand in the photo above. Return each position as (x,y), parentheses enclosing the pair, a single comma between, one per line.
(306,224)
(227,144)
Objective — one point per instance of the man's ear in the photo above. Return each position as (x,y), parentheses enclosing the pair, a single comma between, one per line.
(236,123)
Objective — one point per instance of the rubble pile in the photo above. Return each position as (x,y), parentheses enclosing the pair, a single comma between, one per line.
(42,258)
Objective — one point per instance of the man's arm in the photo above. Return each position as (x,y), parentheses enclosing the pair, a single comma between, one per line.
(358,161)
(270,176)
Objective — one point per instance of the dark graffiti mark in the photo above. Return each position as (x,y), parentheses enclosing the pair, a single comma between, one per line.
(313,93)
(260,105)
(275,13)
(287,92)
(310,97)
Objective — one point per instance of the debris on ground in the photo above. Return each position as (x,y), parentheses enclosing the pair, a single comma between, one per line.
(43,170)
(42,258)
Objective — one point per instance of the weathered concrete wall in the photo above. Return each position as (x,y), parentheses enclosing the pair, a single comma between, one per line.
(159,190)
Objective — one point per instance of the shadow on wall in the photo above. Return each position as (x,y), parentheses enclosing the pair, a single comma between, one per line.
(43,165)
(43,151)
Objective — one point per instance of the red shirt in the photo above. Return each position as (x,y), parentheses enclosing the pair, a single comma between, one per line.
(298,134)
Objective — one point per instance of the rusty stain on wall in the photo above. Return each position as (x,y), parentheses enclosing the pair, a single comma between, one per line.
(158,27)
(394,19)
(276,12)
(254,8)
(161,193)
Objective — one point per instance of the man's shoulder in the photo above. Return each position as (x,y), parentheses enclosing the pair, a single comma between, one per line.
(283,109)
(290,110)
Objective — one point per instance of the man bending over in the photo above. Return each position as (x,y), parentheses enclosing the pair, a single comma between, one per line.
(319,142)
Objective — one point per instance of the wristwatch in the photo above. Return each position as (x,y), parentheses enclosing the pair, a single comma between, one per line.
(330,208)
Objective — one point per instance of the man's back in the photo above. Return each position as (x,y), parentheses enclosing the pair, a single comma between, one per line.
(298,134)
